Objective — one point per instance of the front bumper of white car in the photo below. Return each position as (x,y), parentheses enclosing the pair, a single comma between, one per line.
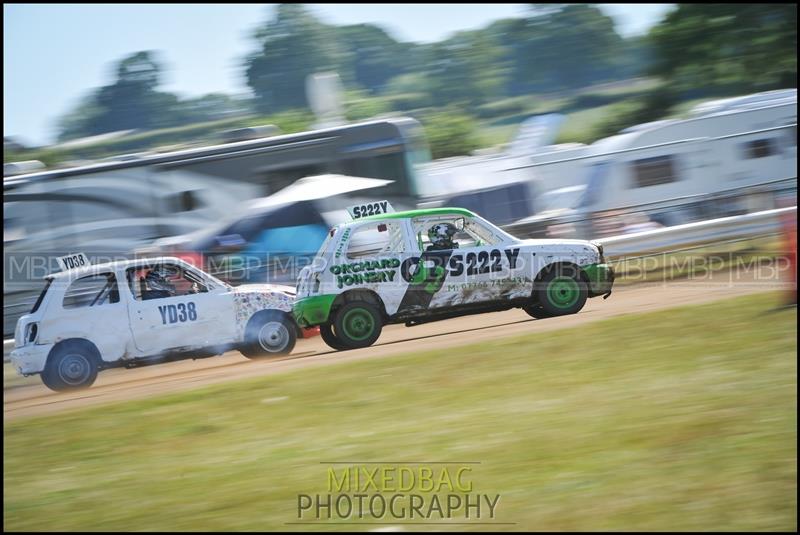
(31,358)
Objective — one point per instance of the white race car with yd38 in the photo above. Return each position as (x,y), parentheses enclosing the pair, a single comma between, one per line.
(149,311)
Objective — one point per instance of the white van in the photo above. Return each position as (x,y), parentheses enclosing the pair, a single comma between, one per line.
(726,147)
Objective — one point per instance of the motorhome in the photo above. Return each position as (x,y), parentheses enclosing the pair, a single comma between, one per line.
(729,156)
(200,185)
(498,184)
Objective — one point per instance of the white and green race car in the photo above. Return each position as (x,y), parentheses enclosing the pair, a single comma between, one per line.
(425,265)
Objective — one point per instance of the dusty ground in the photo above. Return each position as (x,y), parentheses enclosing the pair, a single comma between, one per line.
(29,397)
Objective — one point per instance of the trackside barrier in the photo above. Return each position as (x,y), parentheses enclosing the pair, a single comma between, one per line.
(680,237)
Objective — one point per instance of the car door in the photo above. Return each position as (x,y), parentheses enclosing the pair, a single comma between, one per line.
(199,317)
(91,306)
(372,257)
(471,273)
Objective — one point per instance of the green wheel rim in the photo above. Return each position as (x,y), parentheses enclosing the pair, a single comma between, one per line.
(563,292)
(358,324)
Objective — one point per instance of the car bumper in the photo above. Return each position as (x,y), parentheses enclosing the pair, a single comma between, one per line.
(30,359)
(315,310)
(601,279)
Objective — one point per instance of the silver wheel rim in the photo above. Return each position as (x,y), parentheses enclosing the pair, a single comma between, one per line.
(74,369)
(273,336)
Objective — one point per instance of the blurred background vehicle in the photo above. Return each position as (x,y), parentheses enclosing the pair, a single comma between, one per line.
(730,157)
(205,184)
(272,238)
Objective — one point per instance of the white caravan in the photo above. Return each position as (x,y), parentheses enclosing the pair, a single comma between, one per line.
(724,149)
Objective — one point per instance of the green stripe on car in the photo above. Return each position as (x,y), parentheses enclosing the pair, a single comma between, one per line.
(314,310)
(420,213)
(601,278)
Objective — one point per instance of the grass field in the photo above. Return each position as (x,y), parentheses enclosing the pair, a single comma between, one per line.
(683,419)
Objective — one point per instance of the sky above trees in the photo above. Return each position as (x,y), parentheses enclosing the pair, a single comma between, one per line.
(54,54)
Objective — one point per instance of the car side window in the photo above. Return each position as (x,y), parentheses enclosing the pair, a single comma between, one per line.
(163,280)
(463,237)
(376,239)
(92,290)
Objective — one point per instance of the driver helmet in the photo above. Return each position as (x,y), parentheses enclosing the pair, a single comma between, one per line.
(441,235)
(157,279)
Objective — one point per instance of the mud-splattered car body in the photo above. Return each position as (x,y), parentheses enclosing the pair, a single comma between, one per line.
(107,315)
(386,263)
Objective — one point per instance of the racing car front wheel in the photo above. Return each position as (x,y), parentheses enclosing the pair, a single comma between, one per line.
(268,333)
(357,324)
(71,365)
(330,338)
(562,291)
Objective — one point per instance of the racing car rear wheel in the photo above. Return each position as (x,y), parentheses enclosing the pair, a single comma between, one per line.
(328,336)
(268,333)
(357,324)
(562,291)
(72,365)
(536,311)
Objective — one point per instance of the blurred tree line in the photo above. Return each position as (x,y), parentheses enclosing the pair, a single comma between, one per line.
(556,49)
(736,47)
(133,101)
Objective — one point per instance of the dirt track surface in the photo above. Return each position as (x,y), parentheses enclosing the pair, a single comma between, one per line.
(32,398)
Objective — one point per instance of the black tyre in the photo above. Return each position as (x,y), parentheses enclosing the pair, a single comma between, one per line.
(561,291)
(330,338)
(536,311)
(269,333)
(71,365)
(357,324)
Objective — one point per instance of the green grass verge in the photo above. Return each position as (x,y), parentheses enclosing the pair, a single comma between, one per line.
(683,419)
